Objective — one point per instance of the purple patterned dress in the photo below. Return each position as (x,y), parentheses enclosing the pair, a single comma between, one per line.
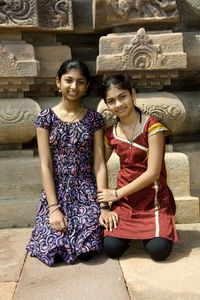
(72,156)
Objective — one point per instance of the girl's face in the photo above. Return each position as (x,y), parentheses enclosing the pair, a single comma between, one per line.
(119,101)
(72,84)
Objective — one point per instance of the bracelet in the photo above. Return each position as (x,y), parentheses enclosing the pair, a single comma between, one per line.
(54,209)
(105,207)
(55,204)
(116,194)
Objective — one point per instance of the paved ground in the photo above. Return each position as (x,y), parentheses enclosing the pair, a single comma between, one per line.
(134,277)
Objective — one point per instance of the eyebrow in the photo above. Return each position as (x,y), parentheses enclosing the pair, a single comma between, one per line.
(117,96)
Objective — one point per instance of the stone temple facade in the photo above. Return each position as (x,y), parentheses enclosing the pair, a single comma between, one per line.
(155,42)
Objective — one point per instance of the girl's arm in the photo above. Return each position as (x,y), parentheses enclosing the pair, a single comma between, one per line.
(107,218)
(155,157)
(56,218)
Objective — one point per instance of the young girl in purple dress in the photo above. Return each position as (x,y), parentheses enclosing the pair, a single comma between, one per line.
(71,151)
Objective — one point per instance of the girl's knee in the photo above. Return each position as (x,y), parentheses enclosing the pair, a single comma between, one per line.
(158,248)
(115,247)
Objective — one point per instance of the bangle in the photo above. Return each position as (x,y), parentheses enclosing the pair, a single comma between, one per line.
(116,194)
(54,209)
(55,204)
(105,207)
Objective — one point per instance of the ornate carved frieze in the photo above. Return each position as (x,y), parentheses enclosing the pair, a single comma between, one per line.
(151,59)
(18,13)
(110,13)
(56,14)
(48,14)
(166,107)
(17,118)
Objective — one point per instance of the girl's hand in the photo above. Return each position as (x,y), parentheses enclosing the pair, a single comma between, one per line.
(106,195)
(108,219)
(58,221)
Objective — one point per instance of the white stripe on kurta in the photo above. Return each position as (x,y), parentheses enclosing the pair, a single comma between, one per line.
(156,203)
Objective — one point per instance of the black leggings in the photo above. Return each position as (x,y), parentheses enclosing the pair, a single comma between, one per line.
(158,248)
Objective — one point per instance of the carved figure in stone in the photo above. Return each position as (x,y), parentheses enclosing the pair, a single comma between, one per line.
(55,13)
(142,199)
(67,223)
(17,11)
(144,8)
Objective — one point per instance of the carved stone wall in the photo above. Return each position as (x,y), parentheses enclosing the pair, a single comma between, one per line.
(155,42)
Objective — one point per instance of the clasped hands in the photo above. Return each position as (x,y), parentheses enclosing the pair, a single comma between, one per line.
(108,219)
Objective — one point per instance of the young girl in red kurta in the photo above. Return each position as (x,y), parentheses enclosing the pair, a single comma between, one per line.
(142,200)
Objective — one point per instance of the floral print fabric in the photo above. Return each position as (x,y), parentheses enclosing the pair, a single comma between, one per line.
(72,158)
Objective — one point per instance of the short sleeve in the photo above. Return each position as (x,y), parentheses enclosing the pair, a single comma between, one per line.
(155,126)
(98,121)
(43,119)
(106,142)
(107,137)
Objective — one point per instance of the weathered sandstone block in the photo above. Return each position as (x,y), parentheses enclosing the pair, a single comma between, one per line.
(192,48)
(110,13)
(190,129)
(56,14)
(17,59)
(51,57)
(40,14)
(151,59)
(17,118)
(164,106)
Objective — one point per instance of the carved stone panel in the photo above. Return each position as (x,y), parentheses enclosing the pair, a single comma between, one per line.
(151,59)
(17,59)
(18,13)
(17,118)
(56,14)
(166,107)
(110,13)
(40,14)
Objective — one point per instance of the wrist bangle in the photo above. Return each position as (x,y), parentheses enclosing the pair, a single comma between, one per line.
(116,194)
(54,209)
(105,207)
(55,204)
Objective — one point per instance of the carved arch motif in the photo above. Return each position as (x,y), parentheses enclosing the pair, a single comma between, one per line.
(141,53)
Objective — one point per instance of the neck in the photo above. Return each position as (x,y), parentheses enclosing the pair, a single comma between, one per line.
(130,119)
(70,106)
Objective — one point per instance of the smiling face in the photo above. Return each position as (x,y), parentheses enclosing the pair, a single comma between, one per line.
(119,101)
(72,85)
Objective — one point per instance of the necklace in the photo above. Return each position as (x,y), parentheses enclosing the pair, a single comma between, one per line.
(131,139)
(69,122)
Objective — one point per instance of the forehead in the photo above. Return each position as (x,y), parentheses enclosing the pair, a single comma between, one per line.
(74,73)
(114,91)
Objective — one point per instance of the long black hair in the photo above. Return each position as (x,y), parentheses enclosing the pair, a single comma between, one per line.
(121,82)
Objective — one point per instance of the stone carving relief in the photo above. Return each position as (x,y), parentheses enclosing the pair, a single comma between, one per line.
(141,53)
(123,12)
(8,63)
(18,12)
(48,14)
(55,13)
(143,8)
(17,118)
(150,59)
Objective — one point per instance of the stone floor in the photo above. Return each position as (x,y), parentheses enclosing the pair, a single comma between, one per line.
(134,277)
